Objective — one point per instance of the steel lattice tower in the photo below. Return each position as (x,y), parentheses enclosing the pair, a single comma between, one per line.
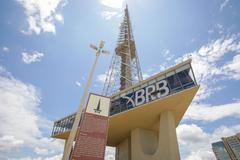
(124,69)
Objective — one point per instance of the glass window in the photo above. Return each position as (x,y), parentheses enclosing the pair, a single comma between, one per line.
(183,68)
(185,77)
(173,82)
(124,108)
(191,75)
(115,107)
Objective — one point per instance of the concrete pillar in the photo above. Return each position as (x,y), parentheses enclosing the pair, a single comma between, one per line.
(168,145)
(124,150)
(65,144)
(144,144)
(152,145)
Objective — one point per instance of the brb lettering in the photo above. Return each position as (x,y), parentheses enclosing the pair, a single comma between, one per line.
(154,91)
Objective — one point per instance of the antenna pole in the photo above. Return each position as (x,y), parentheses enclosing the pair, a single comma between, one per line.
(71,138)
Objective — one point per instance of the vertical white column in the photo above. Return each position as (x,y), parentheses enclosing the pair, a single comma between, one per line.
(168,145)
(69,142)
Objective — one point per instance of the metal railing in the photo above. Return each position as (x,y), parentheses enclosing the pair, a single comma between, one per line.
(63,125)
(178,80)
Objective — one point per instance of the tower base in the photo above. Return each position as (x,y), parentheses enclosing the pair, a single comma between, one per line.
(145,144)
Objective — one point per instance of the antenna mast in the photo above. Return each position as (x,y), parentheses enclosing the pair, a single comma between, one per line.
(124,70)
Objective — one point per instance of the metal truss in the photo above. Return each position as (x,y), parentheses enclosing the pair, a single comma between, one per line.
(124,70)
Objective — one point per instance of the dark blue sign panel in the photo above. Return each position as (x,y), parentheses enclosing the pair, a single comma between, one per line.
(173,82)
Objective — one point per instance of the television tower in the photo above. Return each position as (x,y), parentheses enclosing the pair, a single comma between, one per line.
(124,70)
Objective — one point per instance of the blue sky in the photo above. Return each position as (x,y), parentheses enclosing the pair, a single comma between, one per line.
(45,58)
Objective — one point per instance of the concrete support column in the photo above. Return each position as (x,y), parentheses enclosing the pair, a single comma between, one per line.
(124,150)
(65,144)
(146,145)
(168,145)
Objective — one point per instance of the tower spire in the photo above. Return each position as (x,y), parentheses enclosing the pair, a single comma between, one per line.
(124,69)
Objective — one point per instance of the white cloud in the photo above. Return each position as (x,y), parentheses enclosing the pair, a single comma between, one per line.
(5,49)
(59,18)
(9,142)
(108,14)
(201,155)
(201,111)
(4,72)
(210,31)
(19,101)
(113,9)
(101,78)
(29,58)
(210,67)
(152,71)
(232,68)
(41,151)
(191,133)
(54,157)
(224,4)
(112,3)
(20,119)
(167,54)
(225,131)
(109,155)
(195,143)
(220,28)
(78,84)
(145,75)
(41,14)
(205,63)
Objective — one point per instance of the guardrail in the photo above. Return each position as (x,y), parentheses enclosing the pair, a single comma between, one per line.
(175,79)
(63,125)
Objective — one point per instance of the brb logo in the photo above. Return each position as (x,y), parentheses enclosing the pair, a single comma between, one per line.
(148,94)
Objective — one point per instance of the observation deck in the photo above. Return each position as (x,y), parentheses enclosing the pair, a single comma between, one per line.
(140,105)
